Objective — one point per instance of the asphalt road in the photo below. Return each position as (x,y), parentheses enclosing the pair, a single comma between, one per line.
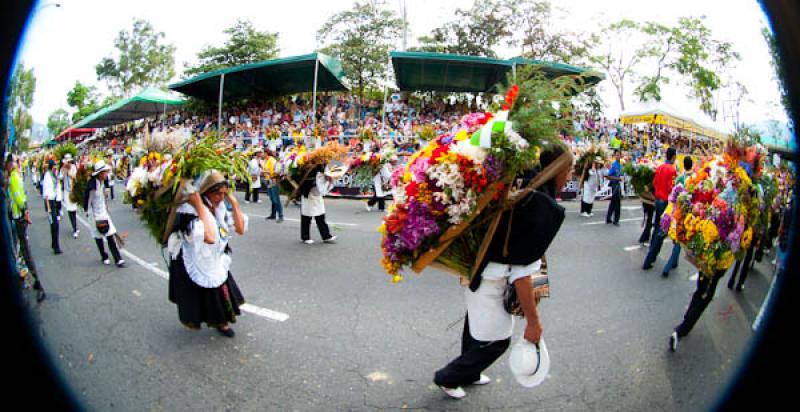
(355,341)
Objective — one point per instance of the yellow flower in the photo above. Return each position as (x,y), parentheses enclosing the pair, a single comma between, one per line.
(382,229)
(397,278)
(673,234)
(461,135)
(709,229)
(407,177)
(747,237)
(725,260)
(139,202)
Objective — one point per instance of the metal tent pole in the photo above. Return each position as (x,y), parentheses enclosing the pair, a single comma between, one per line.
(219,109)
(314,94)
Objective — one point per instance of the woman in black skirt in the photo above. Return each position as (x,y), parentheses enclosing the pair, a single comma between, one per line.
(200,282)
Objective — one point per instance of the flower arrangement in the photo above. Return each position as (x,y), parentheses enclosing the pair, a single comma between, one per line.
(642,173)
(82,175)
(714,214)
(443,188)
(65,148)
(366,133)
(297,161)
(365,166)
(427,133)
(585,160)
(154,192)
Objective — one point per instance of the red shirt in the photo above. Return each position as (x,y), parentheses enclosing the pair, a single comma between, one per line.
(663,180)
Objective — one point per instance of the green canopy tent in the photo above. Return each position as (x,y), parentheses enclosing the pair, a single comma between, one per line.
(277,77)
(422,71)
(148,102)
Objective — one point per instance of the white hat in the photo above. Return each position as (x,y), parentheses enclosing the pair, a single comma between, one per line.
(100,167)
(529,364)
(335,172)
(67,157)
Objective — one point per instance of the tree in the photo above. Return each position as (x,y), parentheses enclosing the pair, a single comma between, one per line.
(361,39)
(474,32)
(83,99)
(244,45)
(142,60)
(58,121)
(20,101)
(618,56)
(533,32)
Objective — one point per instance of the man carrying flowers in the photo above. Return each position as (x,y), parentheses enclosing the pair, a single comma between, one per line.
(662,185)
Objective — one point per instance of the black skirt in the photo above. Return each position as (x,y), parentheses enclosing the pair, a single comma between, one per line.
(197,305)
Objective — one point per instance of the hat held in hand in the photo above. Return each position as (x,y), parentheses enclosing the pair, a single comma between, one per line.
(530,363)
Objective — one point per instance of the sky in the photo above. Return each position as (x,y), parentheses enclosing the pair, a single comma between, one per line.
(63,44)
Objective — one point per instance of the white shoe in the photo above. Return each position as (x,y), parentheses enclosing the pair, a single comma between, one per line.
(367,207)
(308,242)
(331,239)
(107,262)
(591,214)
(673,341)
(584,214)
(247,201)
(74,235)
(484,380)
(260,201)
(455,393)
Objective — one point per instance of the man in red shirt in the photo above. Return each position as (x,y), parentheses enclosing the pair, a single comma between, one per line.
(662,186)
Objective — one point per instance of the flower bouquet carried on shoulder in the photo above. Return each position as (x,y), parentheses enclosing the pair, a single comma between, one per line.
(296,164)
(451,194)
(642,173)
(365,166)
(714,214)
(585,160)
(155,192)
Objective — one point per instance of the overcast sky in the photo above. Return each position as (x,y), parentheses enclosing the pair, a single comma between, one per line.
(63,44)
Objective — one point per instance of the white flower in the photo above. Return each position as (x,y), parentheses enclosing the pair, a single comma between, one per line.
(476,153)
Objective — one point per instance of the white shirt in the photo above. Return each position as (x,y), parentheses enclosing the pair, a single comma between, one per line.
(384,175)
(254,168)
(488,320)
(314,205)
(208,264)
(590,186)
(49,186)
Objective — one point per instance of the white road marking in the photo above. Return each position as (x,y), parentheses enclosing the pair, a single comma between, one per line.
(601,222)
(256,310)
(634,247)
(631,207)
(298,220)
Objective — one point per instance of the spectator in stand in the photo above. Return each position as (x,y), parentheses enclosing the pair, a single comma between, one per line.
(662,185)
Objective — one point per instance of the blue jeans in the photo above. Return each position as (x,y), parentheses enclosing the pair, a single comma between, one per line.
(672,263)
(275,199)
(658,235)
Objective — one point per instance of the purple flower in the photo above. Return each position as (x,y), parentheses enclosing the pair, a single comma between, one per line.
(419,226)
(676,191)
(666,219)
(494,168)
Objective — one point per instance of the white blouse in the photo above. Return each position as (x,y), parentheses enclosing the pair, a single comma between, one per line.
(208,264)
(488,320)
(314,204)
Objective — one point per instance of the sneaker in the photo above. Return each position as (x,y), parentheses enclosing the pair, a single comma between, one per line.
(647,266)
(121,263)
(484,380)
(455,393)
(270,218)
(584,214)
(106,261)
(591,214)
(331,239)
(40,295)
(260,201)
(75,235)
(279,220)
(367,207)
(247,201)
(308,242)
(673,342)
(647,244)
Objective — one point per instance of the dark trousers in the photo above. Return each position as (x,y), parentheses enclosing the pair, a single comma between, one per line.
(381,201)
(700,300)
(53,219)
(251,193)
(657,239)
(475,357)
(21,227)
(275,199)
(615,206)
(112,245)
(745,268)
(73,220)
(648,210)
(109,184)
(305,227)
(586,207)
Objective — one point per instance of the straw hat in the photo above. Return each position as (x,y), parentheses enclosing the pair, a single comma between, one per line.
(335,172)
(529,363)
(67,157)
(100,167)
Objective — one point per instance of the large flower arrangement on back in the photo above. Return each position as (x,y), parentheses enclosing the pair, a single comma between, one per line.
(713,215)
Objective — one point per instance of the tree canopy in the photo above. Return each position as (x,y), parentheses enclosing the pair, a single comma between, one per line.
(361,39)
(142,59)
(20,101)
(244,45)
